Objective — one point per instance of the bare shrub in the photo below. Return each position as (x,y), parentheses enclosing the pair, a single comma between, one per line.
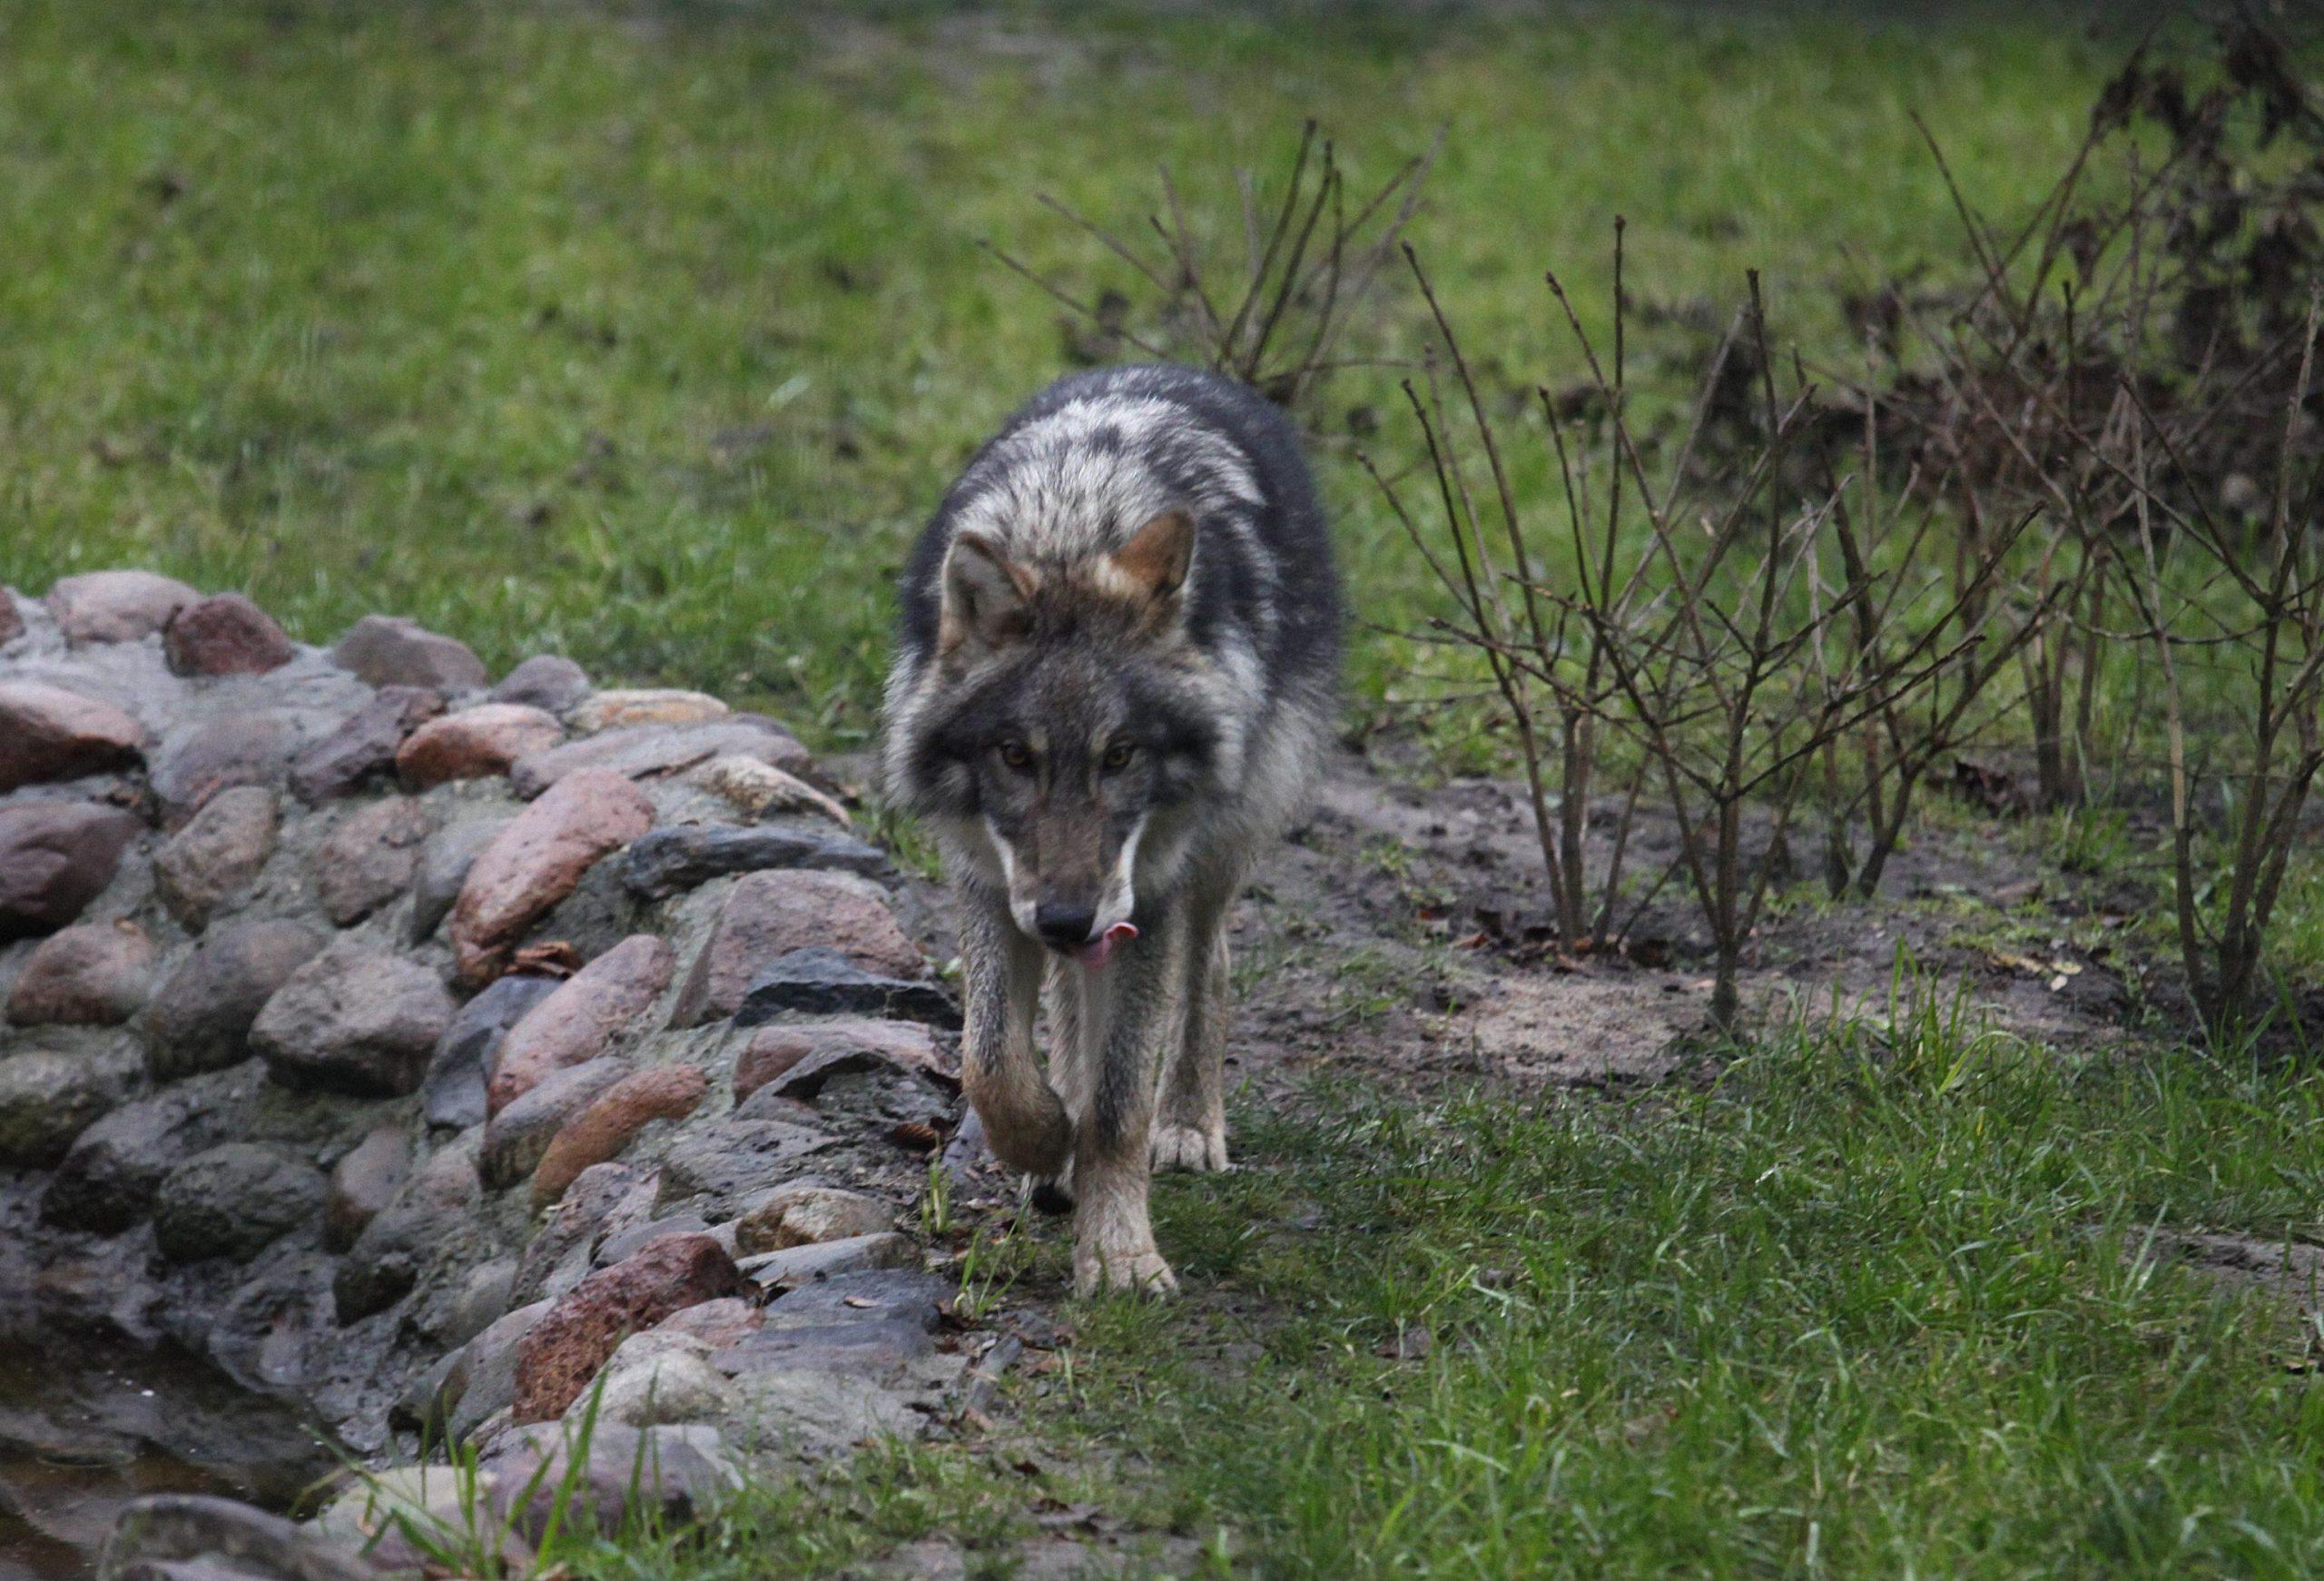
(1727,627)
(1269,304)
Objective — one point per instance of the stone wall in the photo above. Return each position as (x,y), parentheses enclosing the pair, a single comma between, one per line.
(449,1056)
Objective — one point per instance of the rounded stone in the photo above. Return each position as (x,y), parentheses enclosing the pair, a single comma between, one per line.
(353,1020)
(549,681)
(477,743)
(200,1018)
(655,705)
(48,734)
(219,853)
(233,1200)
(115,606)
(224,635)
(387,650)
(612,1120)
(560,1354)
(56,858)
(365,1179)
(579,1021)
(537,860)
(370,858)
(92,975)
(53,1091)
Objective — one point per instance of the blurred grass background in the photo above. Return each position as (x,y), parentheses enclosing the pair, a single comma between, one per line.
(652,335)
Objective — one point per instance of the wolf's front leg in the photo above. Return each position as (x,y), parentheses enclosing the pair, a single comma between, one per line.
(1191,1131)
(1128,1012)
(1025,1124)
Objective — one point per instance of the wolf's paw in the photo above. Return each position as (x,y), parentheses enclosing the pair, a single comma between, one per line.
(1140,1273)
(1189,1147)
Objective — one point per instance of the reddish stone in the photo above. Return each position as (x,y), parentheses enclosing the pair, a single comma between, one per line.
(769,914)
(56,858)
(47,732)
(389,651)
(224,635)
(658,705)
(11,619)
(115,606)
(536,861)
(474,744)
(363,747)
(558,1358)
(819,1048)
(574,1025)
(95,975)
(599,1132)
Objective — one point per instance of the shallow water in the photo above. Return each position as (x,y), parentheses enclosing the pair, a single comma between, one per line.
(88,1423)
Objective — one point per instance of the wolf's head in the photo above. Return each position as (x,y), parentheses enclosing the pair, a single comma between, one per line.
(1065,729)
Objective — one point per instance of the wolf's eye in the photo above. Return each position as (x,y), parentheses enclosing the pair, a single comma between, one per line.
(1118,756)
(1013,754)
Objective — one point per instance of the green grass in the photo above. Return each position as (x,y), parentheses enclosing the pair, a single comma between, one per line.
(651,335)
(1875,1306)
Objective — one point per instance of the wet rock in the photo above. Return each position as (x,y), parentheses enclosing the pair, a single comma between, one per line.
(518,1137)
(224,635)
(647,751)
(667,860)
(444,865)
(654,1377)
(895,1295)
(801,1055)
(872,1347)
(387,650)
(47,733)
(717,1324)
(370,858)
(477,743)
(363,1182)
(821,982)
(562,1353)
(537,860)
(200,1018)
(804,1215)
(220,853)
(658,1477)
(803,1265)
(107,1180)
(92,975)
(546,681)
(453,1092)
(56,858)
(55,1084)
(756,789)
(232,1201)
(660,705)
(727,1163)
(155,1534)
(485,1383)
(275,1333)
(115,606)
(198,761)
(600,1132)
(431,1221)
(557,1258)
(363,749)
(579,1021)
(768,915)
(353,1020)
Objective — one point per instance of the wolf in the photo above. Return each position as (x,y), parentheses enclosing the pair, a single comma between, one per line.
(1114,679)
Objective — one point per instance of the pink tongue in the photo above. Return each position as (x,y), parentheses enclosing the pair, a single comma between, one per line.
(1093,953)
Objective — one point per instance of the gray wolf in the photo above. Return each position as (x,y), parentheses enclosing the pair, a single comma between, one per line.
(1116,676)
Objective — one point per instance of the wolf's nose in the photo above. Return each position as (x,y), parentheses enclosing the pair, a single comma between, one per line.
(1064,926)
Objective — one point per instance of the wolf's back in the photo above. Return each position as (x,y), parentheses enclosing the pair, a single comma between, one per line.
(1097,455)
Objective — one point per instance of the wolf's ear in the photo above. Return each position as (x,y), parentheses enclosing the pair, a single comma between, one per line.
(1154,561)
(984,596)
